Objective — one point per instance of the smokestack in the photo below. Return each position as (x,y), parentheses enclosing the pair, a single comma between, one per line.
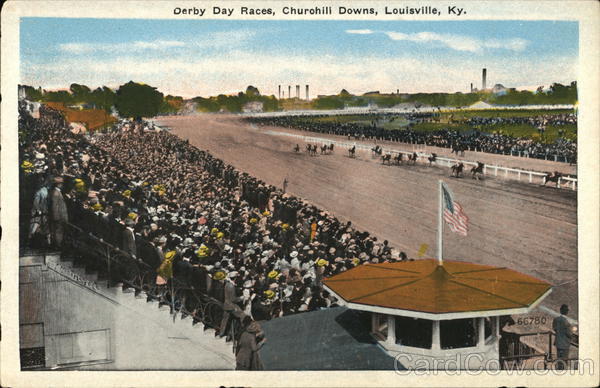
(289,91)
(298,91)
(279,93)
(397,91)
(483,79)
(471,87)
(306,92)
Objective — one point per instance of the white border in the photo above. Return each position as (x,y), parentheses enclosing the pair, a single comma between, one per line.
(586,12)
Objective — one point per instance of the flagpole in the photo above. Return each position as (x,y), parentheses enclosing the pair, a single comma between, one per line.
(440,224)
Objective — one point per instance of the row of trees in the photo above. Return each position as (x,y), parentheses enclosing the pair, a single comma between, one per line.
(236,103)
(140,100)
(556,94)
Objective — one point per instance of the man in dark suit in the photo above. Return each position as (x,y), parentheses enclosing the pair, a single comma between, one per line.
(58,213)
(229,303)
(562,328)
(129,245)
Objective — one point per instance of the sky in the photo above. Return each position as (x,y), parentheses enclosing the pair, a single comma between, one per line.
(209,57)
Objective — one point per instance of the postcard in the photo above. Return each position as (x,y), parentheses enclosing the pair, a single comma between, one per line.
(299,193)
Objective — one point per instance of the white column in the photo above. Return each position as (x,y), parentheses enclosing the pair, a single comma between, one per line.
(497,326)
(391,330)
(435,338)
(481,337)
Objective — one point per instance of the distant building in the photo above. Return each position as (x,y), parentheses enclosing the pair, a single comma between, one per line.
(253,107)
(499,89)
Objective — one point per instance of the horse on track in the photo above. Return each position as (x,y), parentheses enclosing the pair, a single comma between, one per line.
(432,158)
(413,158)
(376,151)
(324,149)
(398,158)
(331,148)
(552,177)
(297,149)
(457,169)
(477,171)
(386,158)
(352,152)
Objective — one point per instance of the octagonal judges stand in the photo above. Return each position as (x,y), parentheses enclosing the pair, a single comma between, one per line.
(432,315)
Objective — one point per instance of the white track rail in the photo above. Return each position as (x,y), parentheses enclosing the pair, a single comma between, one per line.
(506,172)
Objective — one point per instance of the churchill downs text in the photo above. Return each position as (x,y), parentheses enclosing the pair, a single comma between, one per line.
(324,10)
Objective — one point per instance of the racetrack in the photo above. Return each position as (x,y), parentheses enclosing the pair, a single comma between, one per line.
(519,225)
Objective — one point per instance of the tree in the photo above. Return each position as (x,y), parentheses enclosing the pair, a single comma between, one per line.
(138,100)
(80,93)
(251,91)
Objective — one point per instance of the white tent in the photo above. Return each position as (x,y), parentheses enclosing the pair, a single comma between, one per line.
(481,105)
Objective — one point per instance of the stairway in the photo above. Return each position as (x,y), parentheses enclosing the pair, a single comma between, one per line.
(194,334)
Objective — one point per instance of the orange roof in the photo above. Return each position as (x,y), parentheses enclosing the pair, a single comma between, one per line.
(92,118)
(424,286)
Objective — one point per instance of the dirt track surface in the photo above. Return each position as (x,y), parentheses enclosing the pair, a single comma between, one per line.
(514,224)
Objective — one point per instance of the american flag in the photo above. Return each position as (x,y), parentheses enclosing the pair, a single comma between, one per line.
(453,213)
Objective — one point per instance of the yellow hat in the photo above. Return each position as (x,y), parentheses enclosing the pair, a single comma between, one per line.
(97,207)
(273,274)
(322,262)
(144,184)
(220,275)
(269,294)
(266,213)
(356,261)
(132,216)
(220,235)
(169,255)
(127,193)
(285,226)
(253,220)
(214,231)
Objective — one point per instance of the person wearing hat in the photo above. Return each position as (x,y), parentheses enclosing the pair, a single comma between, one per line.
(562,341)
(129,245)
(229,303)
(251,340)
(58,212)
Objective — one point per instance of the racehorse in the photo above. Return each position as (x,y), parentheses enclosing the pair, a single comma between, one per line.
(398,158)
(352,152)
(457,169)
(554,177)
(386,158)
(324,149)
(377,150)
(432,158)
(476,171)
(413,158)
(297,148)
(331,148)
(313,150)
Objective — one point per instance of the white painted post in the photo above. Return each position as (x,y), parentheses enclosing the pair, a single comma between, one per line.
(505,173)
(530,178)
(519,175)
(574,185)
(481,337)
(391,331)
(435,336)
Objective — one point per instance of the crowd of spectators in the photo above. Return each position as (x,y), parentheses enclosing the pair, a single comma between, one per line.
(190,215)
(563,150)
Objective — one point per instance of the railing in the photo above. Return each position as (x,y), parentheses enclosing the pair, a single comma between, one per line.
(122,269)
(530,176)
(516,352)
